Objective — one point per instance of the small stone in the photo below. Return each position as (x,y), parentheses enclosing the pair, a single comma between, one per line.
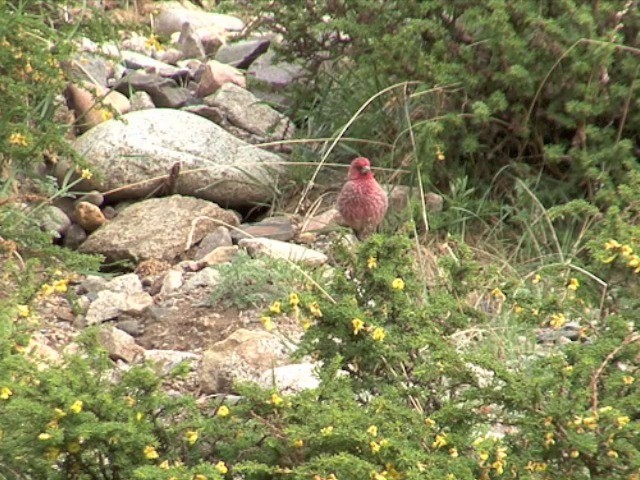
(120,345)
(207,277)
(141,101)
(219,237)
(133,327)
(220,255)
(93,197)
(89,216)
(74,236)
(171,282)
(278,228)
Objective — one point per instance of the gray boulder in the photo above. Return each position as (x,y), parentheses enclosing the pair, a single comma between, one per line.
(135,154)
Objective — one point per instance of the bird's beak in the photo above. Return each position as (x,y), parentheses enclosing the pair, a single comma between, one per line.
(365,169)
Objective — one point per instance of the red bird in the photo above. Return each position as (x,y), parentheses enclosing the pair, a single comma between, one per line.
(362,202)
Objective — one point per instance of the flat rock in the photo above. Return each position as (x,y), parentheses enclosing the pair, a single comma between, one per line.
(140,61)
(267,72)
(158,228)
(242,54)
(277,228)
(164,92)
(146,144)
(325,220)
(243,110)
(220,255)
(242,356)
(174,15)
(219,237)
(283,250)
(215,75)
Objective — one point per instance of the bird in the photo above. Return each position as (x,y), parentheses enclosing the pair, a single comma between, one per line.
(362,202)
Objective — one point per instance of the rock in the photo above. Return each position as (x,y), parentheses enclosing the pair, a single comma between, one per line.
(173,16)
(326,220)
(245,111)
(141,101)
(172,56)
(434,202)
(171,282)
(277,228)
(132,326)
(123,294)
(148,143)
(266,72)
(94,197)
(215,75)
(290,378)
(219,237)
(89,216)
(87,67)
(207,277)
(120,345)
(53,220)
(74,236)
(190,42)
(139,61)
(400,195)
(158,228)
(242,54)
(38,350)
(93,104)
(164,361)
(164,92)
(220,255)
(283,250)
(92,284)
(243,356)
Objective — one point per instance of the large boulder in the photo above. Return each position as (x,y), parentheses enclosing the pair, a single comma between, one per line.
(132,157)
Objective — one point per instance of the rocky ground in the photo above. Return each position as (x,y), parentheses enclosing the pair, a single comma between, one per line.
(170,181)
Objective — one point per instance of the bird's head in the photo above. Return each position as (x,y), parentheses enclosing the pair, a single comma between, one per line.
(360,168)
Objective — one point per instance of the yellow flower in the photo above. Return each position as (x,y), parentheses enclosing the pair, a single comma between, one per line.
(574,454)
(293,299)
(221,467)
(378,334)
(483,456)
(86,174)
(498,467)
(44,436)
(299,443)
(199,476)
(536,279)
(501,453)
(150,452)
(164,465)
(76,407)
(517,309)
(59,413)
(23,311)
(275,307)
(536,466)
(314,308)
(612,245)
(440,441)
(223,411)
(628,379)
(130,401)
(498,294)
(440,155)
(373,431)
(573,284)
(266,322)
(622,421)
(46,290)
(626,250)
(276,399)
(18,139)
(397,284)
(429,422)
(327,431)
(357,325)
(453,452)
(548,439)
(372,263)
(5,393)
(590,422)
(191,436)
(376,476)
(557,320)
(139,416)
(610,259)
(612,454)
(375,446)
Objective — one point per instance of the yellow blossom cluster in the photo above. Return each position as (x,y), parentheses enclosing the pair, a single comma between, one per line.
(277,307)
(623,251)
(377,333)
